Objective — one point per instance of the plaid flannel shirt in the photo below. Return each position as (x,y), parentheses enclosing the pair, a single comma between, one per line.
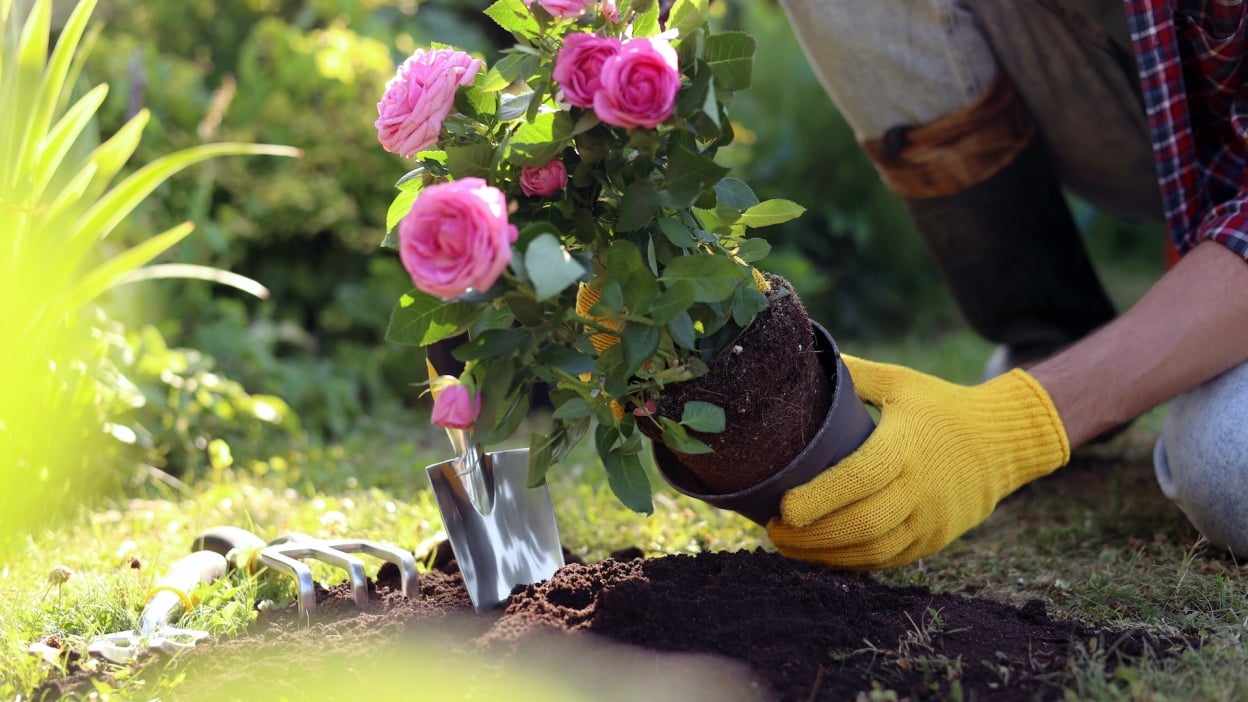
(1192,68)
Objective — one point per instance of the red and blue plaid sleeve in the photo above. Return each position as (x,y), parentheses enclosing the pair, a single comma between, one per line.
(1195,83)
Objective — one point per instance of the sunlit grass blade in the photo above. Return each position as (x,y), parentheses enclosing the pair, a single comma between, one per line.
(26,77)
(110,156)
(117,204)
(53,147)
(53,84)
(105,275)
(190,270)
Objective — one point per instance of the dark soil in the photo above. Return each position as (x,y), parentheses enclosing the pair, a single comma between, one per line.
(774,386)
(718,626)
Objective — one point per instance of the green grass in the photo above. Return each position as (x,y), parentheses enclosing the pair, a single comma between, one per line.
(1096,541)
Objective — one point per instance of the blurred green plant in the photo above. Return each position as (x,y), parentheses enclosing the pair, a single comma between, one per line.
(58,206)
(307,229)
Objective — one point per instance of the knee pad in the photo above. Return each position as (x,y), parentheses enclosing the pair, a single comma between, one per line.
(1201,458)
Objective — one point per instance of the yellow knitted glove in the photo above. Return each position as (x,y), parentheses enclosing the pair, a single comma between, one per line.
(586,298)
(941,458)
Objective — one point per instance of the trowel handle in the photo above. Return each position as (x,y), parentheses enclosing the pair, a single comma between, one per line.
(239,546)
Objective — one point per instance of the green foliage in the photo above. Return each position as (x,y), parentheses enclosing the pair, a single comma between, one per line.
(59,205)
(304,229)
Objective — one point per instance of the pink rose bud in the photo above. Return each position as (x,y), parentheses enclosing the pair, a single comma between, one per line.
(543,181)
(456,237)
(454,407)
(419,97)
(578,64)
(564,9)
(638,86)
(610,12)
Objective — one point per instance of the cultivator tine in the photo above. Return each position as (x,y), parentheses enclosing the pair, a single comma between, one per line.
(409,579)
(286,557)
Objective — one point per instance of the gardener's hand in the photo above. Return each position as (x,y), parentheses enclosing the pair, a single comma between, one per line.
(941,458)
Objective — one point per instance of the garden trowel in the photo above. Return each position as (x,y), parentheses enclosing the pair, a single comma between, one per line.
(503,532)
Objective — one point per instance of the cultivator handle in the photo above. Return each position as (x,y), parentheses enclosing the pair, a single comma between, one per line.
(239,546)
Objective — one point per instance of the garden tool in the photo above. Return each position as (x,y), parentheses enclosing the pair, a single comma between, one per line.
(503,532)
(248,552)
(172,593)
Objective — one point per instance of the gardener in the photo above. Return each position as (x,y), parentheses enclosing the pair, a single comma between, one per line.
(974,111)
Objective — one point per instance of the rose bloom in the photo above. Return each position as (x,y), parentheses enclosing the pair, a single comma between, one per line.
(544,181)
(456,237)
(578,64)
(455,407)
(638,86)
(564,9)
(419,97)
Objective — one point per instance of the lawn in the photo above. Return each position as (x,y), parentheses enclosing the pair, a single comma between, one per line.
(1096,541)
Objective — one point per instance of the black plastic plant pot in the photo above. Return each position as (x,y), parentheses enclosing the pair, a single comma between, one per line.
(846,426)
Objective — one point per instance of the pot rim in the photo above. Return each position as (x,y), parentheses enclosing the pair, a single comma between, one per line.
(845,427)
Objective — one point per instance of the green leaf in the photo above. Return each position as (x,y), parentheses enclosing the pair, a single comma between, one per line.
(508,70)
(625,474)
(490,343)
(682,331)
(639,342)
(672,302)
(751,250)
(746,304)
(714,278)
(623,259)
(575,408)
(770,212)
(420,319)
(703,416)
(734,193)
(550,267)
(514,106)
(476,103)
(676,232)
(637,207)
(567,360)
(535,143)
(400,206)
(646,23)
(676,438)
(513,16)
(472,161)
(687,15)
(731,58)
(688,175)
(412,180)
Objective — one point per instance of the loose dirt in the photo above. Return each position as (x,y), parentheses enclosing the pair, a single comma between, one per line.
(744,625)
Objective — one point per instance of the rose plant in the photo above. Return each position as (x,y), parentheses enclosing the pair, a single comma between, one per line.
(565,199)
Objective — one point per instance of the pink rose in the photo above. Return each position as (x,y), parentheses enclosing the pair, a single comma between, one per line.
(544,181)
(456,237)
(564,9)
(419,97)
(638,86)
(578,64)
(455,407)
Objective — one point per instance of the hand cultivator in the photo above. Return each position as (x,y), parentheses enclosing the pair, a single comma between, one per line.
(171,594)
(249,552)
